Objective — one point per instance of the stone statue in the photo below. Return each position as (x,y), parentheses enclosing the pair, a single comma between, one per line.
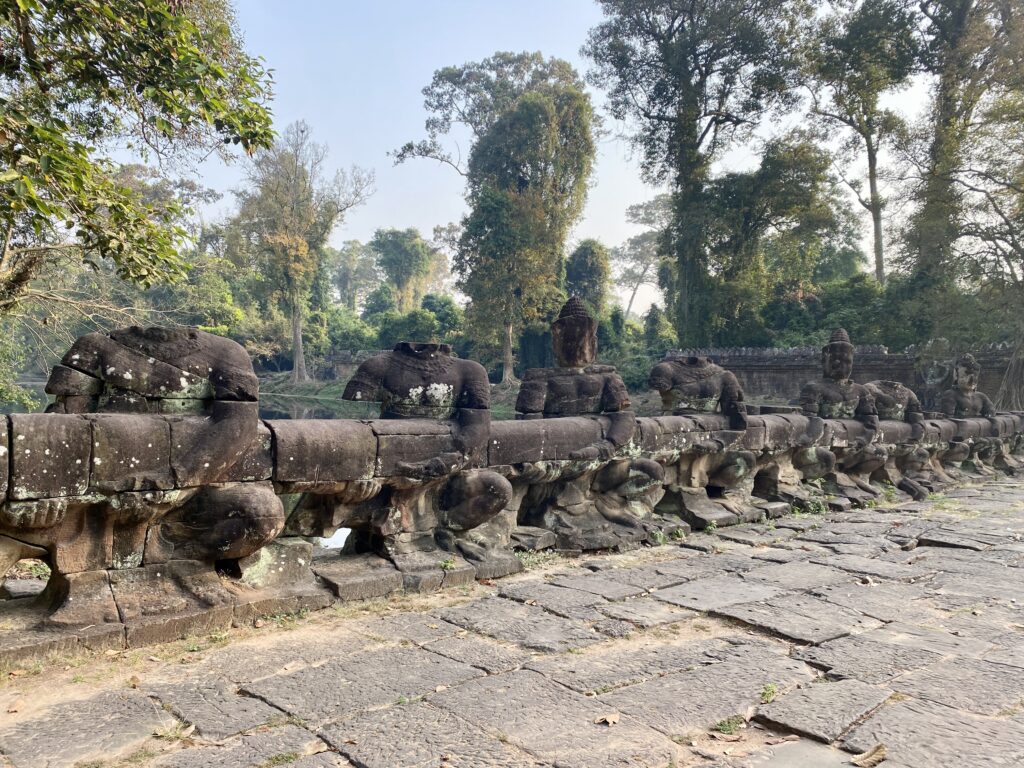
(895,401)
(837,396)
(580,387)
(964,401)
(690,385)
(424,381)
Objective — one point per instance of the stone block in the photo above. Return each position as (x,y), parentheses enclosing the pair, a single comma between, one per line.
(358,577)
(823,711)
(106,727)
(554,725)
(131,452)
(716,592)
(525,625)
(210,449)
(395,737)
(323,451)
(563,436)
(515,442)
(532,539)
(479,652)
(288,742)
(51,455)
(162,628)
(167,589)
(284,563)
(429,571)
(213,707)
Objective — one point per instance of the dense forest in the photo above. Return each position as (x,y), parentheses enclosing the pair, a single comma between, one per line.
(899,227)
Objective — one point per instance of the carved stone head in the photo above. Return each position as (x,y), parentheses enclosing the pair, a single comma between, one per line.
(966,373)
(837,356)
(574,335)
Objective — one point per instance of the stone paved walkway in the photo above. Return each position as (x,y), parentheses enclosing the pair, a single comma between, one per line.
(797,645)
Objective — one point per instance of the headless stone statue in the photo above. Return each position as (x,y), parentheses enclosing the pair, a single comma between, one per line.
(423,381)
(689,385)
(895,401)
(579,387)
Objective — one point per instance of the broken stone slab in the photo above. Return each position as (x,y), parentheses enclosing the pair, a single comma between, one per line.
(420,735)
(359,682)
(823,710)
(982,687)
(923,733)
(861,658)
(600,670)
(555,725)
(798,621)
(679,704)
(868,566)
(716,592)
(214,708)
(283,745)
(523,625)
(359,577)
(531,539)
(107,726)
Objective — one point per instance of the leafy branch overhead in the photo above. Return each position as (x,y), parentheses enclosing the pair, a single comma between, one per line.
(77,78)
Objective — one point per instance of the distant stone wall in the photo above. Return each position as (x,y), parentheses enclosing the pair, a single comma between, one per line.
(778,374)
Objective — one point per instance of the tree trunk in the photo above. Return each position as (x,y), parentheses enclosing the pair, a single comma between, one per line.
(636,287)
(508,375)
(875,206)
(299,373)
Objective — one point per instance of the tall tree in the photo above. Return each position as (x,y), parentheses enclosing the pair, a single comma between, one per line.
(533,150)
(636,261)
(286,213)
(587,272)
(693,76)
(406,260)
(354,272)
(164,77)
(968,52)
(854,58)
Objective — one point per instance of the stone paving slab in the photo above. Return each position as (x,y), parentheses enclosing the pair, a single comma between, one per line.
(108,725)
(868,566)
(480,652)
(525,625)
(562,601)
(717,592)
(929,639)
(921,733)
(798,575)
(606,588)
(823,710)
(680,704)
(277,746)
(421,735)
(215,709)
(599,672)
(885,601)
(556,725)
(647,577)
(646,612)
(801,617)
(360,682)
(864,659)
(982,687)
(414,627)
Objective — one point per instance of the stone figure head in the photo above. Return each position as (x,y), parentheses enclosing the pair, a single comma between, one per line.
(837,356)
(423,349)
(966,373)
(574,335)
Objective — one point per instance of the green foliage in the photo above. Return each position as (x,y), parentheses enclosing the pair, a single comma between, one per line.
(418,325)
(379,301)
(659,336)
(74,75)
(405,258)
(346,331)
(587,271)
(730,725)
(449,315)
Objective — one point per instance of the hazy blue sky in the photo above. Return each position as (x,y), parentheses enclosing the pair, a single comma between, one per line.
(355,70)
